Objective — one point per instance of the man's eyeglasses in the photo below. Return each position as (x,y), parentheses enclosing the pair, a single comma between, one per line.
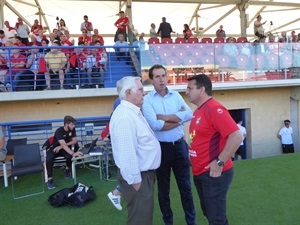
(286,123)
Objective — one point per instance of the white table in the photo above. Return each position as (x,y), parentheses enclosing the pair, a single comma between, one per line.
(86,159)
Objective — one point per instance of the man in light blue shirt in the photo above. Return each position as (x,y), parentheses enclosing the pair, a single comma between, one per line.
(121,50)
(166,112)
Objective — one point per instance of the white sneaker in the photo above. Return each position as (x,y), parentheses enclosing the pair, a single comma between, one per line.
(115,200)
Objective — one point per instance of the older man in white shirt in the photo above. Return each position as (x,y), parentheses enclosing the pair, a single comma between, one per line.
(136,151)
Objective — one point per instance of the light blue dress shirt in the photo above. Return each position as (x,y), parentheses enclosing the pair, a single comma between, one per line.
(169,104)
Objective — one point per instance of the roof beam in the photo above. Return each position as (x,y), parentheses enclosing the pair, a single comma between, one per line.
(284,4)
(221,18)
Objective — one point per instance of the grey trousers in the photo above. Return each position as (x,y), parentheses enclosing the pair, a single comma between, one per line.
(140,204)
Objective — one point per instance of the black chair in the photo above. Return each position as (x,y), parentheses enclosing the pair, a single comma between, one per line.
(11,143)
(27,160)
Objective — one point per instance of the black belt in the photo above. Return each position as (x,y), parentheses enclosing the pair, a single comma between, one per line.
(172,142)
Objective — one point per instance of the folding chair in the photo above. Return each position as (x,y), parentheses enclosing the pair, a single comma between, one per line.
(27,160)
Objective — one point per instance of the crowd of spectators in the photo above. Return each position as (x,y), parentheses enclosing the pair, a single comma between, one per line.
(37,66)
(88,61)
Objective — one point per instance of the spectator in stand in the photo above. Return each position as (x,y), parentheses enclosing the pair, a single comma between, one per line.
(22,31)
(51,39)
(187,33)
(93,67)
(258,27)
(231,50)
(6,52)
(32,72)
(36,27)
(34,41)
(65,42)
(3,39)
(290,38)
(19,43)
(87,26)
(261,47)
(10,32)
(246,49)
(283,38)
(56,62)
(56,34)
(3,71)
(72,40)
(152,32)
(45,43)
(121,25)
(84,38)
(76,65)
(121,50)
(16,65)
(103,56)
(62,26)
(272,45)
(285,135)
(165,29)
(142,41)
(220,32)
(40,36)
(99,37)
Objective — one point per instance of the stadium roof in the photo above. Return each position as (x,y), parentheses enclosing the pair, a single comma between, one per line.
(237,16)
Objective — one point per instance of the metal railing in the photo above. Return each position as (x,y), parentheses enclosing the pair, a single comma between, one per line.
(39,131)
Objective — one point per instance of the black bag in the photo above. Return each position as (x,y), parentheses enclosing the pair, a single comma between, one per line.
(75,196)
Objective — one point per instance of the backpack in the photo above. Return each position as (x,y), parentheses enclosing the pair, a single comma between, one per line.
(75,196)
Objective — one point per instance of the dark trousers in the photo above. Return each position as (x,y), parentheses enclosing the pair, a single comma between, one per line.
(212,192)
(52,155)
(175,157)
(140,204)
(288,148)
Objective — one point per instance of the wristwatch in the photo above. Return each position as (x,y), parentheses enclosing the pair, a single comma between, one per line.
(220,162)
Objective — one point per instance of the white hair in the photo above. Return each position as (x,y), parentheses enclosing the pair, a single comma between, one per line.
(126,83)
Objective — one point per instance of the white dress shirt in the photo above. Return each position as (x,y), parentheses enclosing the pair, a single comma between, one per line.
(135,148)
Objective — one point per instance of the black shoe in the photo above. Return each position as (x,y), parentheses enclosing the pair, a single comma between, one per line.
(67,174)
(51,184)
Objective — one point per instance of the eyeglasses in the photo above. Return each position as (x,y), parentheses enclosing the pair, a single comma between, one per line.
(84,32)
(286,123)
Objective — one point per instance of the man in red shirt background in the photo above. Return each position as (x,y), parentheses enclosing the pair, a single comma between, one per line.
(121,24)
(215,137)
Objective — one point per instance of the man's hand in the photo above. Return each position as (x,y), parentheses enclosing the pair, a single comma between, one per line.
(56,150)
(214,169)
(79,153)
(137,186)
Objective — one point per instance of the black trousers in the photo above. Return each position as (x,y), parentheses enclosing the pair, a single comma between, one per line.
(175,157)
(288,148)
(50,159)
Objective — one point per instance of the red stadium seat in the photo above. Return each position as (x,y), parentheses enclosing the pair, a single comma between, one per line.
(166,40)
(193,40)
(153,41)
(242,40)
(206,40)
(180,40)
(219,40)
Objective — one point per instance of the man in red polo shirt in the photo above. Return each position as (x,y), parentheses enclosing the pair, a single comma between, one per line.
(121,24)
(214,137)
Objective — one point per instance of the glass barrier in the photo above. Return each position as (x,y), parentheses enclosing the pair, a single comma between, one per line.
(60,67)
(224,61)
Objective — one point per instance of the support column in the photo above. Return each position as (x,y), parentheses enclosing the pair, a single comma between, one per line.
(243,17)
(2,3)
